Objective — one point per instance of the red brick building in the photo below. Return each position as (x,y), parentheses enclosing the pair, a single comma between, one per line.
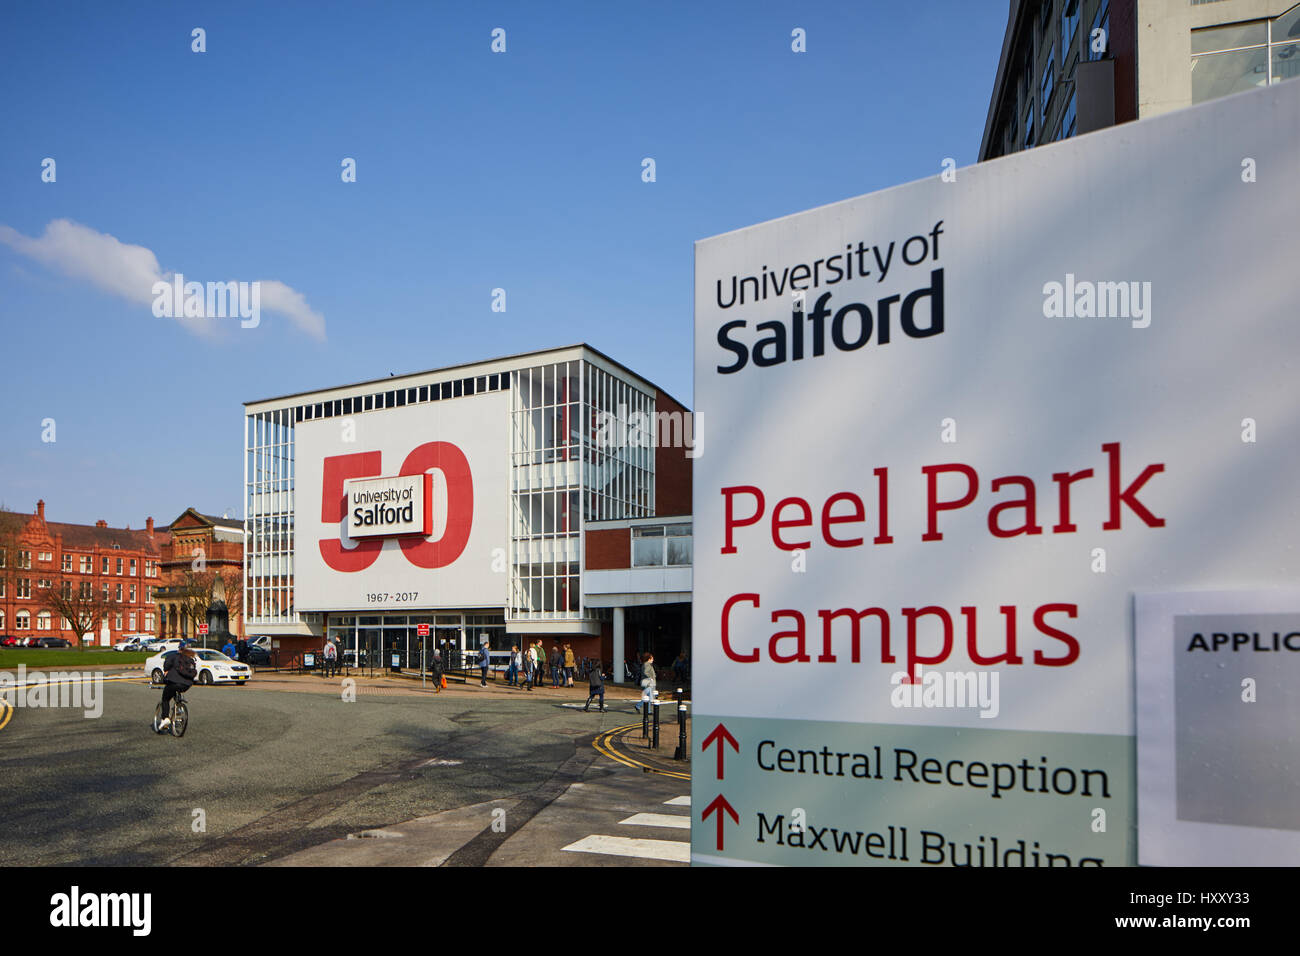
(200,547)
(119,566)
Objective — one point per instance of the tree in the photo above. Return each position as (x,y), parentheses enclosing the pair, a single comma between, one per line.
(194,591)
(79,605)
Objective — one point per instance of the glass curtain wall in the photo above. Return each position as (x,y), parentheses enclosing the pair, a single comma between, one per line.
(268,565)
(582,448)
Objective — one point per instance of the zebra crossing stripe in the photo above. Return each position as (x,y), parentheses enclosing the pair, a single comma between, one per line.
(678,802)
(658,820)
(671,850)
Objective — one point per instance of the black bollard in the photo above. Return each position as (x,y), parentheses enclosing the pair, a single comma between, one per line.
(678,696)
(654,741)
(681,731)
(645,720)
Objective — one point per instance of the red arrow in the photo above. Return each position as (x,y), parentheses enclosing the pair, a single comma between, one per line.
(719,735)
(718,806)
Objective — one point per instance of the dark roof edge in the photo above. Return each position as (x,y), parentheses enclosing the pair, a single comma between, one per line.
(452,368)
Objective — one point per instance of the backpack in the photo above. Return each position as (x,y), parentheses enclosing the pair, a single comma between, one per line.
(183,665)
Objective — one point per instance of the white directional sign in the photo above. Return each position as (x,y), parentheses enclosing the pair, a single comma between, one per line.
(968,422)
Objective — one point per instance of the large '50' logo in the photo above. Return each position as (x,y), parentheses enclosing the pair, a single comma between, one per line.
(421,552)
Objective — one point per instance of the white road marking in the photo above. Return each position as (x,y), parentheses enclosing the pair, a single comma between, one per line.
(677,852)
(658,820)
(678,802)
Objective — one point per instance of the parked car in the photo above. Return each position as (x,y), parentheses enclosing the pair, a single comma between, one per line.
(214,668)
(259,655)
(10,640)
(168,644)
(131,644)
(51,642)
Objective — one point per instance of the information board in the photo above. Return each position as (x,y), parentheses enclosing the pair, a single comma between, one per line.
(968,420)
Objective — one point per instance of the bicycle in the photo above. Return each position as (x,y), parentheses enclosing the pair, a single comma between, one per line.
(180,717)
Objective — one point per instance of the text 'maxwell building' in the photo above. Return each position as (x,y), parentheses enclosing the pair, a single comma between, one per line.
(544,495)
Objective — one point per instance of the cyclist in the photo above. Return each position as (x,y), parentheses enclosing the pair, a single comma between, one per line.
(179,675)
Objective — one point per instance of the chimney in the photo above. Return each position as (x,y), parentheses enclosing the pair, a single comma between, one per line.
(148,525)
(101,523)
(40,509)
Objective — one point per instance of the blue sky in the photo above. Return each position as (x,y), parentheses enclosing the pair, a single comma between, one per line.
(475,171)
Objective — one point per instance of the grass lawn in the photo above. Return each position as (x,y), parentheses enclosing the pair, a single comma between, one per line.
(64,657)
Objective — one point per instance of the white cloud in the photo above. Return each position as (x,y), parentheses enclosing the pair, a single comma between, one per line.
(129,271)
(279,297)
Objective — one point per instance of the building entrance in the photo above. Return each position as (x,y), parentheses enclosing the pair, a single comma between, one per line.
(665,631)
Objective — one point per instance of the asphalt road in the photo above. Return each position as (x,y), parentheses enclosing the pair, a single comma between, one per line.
(273,772)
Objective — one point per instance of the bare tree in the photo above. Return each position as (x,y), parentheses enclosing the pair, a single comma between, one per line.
(78,604)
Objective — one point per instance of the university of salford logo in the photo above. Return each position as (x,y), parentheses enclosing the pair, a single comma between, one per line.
(420,551)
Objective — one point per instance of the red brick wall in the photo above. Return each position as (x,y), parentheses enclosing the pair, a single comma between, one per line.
(36,537)
(672,468)
(608,548)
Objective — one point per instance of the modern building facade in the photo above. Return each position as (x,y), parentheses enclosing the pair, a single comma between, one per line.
(51,571)
(456,498)
(1073,66)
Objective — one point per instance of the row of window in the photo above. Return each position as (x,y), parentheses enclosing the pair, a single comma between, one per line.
(1241,56)
(86,565)
(23,590)
(45,621)
(661,546)
(401,397)
(1095,46)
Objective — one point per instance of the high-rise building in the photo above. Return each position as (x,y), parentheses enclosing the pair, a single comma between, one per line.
(1073,66)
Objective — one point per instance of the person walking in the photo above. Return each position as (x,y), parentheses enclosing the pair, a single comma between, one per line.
(435,670)
(228,648)
(483,661)
(527,658)
(512,672)
(595,688)
(569,662)
(539,664)
(556,662)
(648,689)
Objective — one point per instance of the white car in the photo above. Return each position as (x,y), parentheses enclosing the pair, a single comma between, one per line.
(134,642)
(214,668)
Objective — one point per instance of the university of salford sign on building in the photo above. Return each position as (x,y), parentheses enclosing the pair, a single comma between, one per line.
(403,508)
(387,507)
